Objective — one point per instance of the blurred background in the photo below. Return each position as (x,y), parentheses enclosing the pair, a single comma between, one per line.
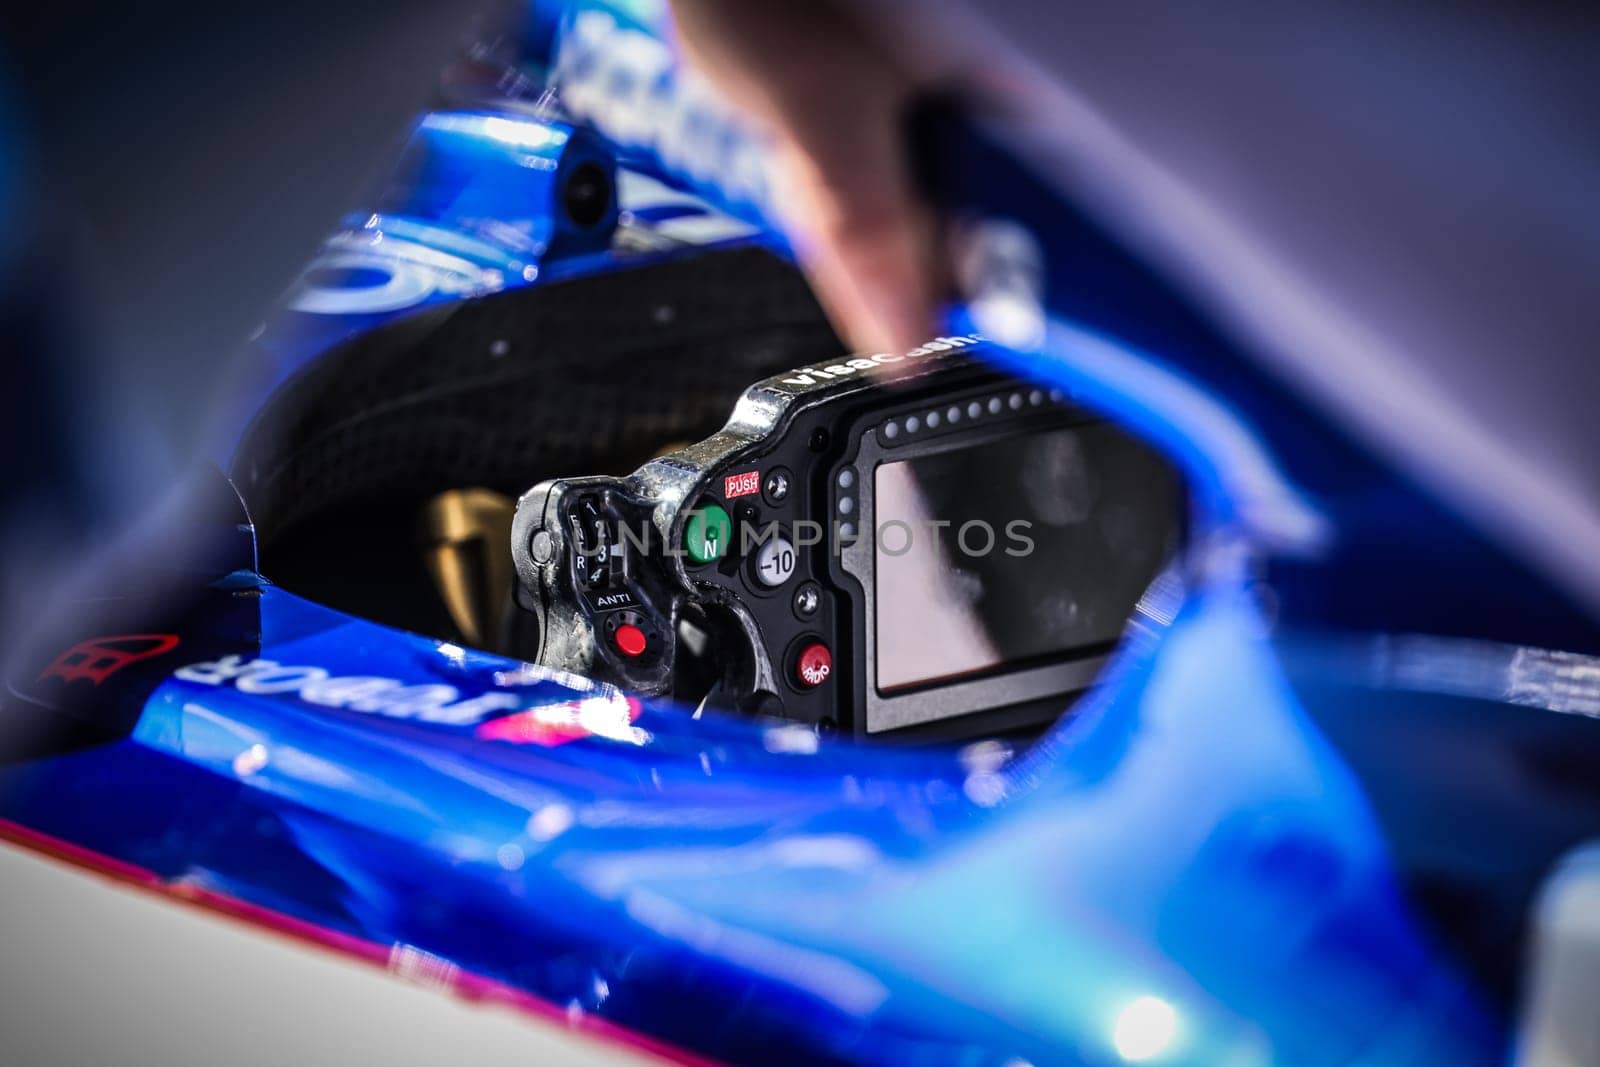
(1393,209)
(166,171)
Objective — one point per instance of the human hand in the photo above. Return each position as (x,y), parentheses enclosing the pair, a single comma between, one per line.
(834,104)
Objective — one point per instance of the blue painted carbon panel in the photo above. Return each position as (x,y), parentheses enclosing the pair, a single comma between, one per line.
(758,893)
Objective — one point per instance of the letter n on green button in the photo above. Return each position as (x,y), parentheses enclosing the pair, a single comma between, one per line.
(706,535)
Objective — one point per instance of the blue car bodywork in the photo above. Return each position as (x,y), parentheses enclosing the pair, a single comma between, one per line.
(1224,854)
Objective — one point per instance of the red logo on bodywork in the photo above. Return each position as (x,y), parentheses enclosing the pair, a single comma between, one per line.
(737,485)
(99,658)
(607,715)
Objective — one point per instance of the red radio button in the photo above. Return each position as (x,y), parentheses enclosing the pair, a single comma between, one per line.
(813,666)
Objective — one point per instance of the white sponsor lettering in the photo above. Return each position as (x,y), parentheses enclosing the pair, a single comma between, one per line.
(807,377)
(408,273)
(625,84)
(432,702)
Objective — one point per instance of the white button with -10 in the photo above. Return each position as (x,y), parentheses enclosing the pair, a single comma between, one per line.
(775,562)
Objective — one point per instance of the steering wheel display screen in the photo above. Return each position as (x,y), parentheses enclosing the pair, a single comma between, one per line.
(1014,551)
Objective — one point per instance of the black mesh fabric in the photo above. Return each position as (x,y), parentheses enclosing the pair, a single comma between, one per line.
(592,375)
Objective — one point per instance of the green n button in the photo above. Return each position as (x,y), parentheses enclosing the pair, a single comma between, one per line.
(706,535)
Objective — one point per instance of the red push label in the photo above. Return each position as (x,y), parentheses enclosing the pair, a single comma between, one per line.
(737,485)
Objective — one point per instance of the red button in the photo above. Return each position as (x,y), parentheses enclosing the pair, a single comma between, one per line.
(630,639)
(813,665)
